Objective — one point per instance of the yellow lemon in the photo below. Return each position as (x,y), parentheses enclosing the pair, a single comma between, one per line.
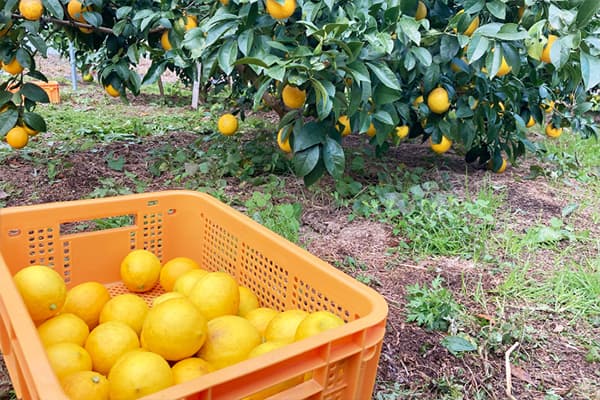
(166,296)
(441,147)
(128,308)
(547,48)
(137,374)
(174,329)
(490,165)
(421,11)
(17,137)
(13,67)
(85,385)
(227,124)
(31,9)
(186,282)
(531,122)
(317,322)
(230,340)
(140,270)
(371,131)
(293,97)
(284,145)
(66,358)
(282,328)
(504,68)
(344,125)
(553,132)
(63,328)
(173,269)
(216,294)
(248,301)
(109,341)
(402,131)
(42,289)
(86,300)
(112,92)
(280,10)
(261,317)
(438,101)
(164,41)
(190,368)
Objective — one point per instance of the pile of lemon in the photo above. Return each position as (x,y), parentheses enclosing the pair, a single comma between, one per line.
(122,348)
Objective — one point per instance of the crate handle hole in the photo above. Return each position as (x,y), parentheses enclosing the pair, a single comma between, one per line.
(97,224)
(14,232)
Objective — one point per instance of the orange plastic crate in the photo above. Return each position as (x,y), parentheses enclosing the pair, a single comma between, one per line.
(339,364)
(51,88)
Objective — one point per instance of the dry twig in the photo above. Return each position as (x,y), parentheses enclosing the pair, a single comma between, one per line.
(509,372)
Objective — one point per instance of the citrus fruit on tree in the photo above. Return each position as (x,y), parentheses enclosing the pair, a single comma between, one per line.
(230,339)
(228,124)
(421,11)
(62,328)
(547,106)
(175,329)
(344,125)
(107,342)
(173,269)
(282,328)
(371,131)
(128,308)
(552,131)
(164,41)
(88,77)
(75,10)
(85,385)
(86,300)
(140,270)
(531,122)
(498,170)
(66,358)
(504,68)
(137,374)
(190,368)
(186,282)
(248,301)
(441,147)
(402,131)
(317,322)
(216,294)
(17,137)
(438,101)
(13,67)
(28,130)
(282,10)
(166,296)
(292,96)
(31,9)
(112,91)
(547,48)
(284,145)
(42,289)
(261,317)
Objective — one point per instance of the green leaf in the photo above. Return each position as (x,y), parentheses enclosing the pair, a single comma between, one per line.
(35,121)
(314,175)
(497,8)
(227,55)
(54,7)
(333,156)
(122,12)
(93,18)
(251,60)
(35,93)
(449,48)
(8,119)
(589,70)
(410,28)
(569,209)
(305,161)
(478,47)
(154,72)
(261,91)
(115,163)
(39,43)
(245,41)
(458,344)
(586,12)
(422,55)
(384,117)
(309,136)
(359,71)
(384,74)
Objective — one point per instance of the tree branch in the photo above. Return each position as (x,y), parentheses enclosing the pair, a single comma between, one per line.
(77,24)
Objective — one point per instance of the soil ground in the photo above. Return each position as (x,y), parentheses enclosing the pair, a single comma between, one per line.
(412,357)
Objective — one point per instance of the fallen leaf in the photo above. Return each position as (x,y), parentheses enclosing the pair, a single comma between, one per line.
(558,328)
(521,374)
(3,195)
(487,317)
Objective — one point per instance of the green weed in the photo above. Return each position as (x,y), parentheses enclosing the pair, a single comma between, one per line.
(432,307)
(283,219)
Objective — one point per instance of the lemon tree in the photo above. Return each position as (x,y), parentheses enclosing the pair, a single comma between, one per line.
(475,72)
